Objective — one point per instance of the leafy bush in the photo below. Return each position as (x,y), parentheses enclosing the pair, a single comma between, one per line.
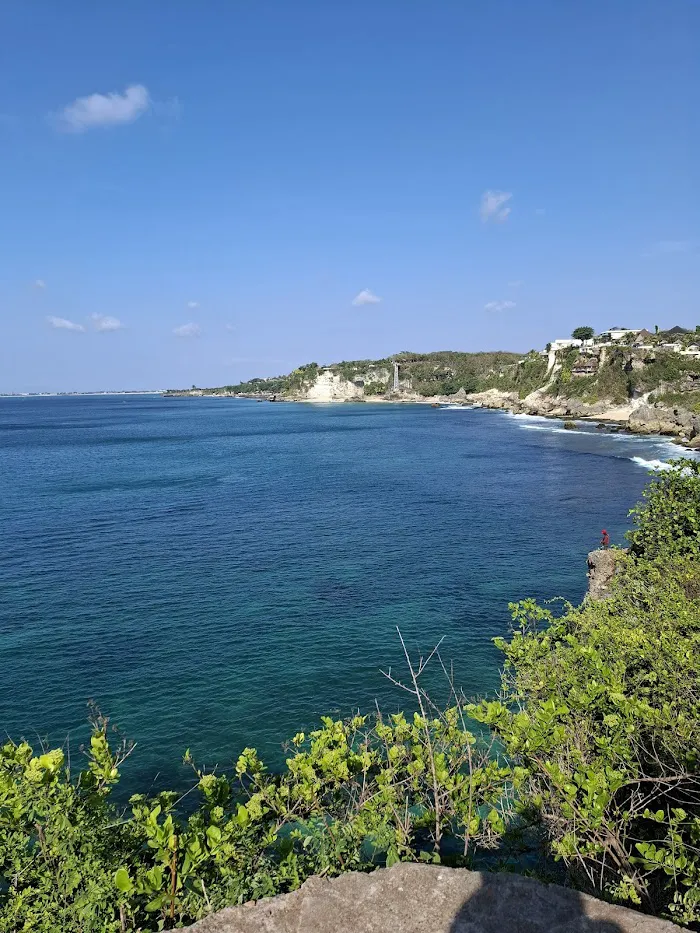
(354,794)
(668,521)
(601,707)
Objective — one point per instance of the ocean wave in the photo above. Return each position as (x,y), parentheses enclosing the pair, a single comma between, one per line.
(526,418)
(549,428)
(655,465)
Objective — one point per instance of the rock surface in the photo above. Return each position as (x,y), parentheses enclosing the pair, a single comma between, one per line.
(602,566)
(409,898)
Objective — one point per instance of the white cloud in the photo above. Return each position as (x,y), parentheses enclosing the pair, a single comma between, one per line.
(499,305)
(105,109)
(230,327)
(61,323)
(104,323)
(39,283)
(516,283)
(366,297)
(492,206)
(193,304)
(187,330)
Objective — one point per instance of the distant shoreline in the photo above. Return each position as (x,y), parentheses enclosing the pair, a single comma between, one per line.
(34,395)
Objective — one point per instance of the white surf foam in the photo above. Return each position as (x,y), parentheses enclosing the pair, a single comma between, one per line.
(655,465)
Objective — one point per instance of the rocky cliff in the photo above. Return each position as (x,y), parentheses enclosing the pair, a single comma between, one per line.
(409,898)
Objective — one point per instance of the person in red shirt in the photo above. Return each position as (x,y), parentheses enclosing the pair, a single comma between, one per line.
(605,540)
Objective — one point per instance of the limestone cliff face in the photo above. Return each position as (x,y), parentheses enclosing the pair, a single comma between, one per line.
(332,387)
(409,898)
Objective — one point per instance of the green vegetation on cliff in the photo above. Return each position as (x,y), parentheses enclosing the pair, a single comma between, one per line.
(601,708)
(599,717)
(439,373)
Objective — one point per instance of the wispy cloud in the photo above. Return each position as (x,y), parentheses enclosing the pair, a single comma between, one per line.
(187,330)
(670,247)
(499,305)
(516,283)
(492,207)
(193,304)
(366,297)
(229,327)
(111,109)
(540,211)
(105,323)
(39,283)
(62,323)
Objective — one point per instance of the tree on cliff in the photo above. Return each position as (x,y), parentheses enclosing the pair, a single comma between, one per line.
(582,333)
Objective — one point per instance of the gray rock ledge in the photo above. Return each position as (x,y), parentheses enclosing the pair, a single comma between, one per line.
(411,898)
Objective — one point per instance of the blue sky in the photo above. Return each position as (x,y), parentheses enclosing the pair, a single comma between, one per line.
(198,192)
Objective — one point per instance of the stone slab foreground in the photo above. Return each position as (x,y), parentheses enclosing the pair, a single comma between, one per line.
(410,898)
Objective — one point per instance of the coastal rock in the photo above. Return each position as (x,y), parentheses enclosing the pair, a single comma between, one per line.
(602,567)
(660,419)
(638,415)
(410,898)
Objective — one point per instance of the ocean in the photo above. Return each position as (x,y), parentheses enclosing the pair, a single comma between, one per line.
(219,573)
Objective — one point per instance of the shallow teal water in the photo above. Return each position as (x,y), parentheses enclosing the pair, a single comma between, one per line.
(219,573)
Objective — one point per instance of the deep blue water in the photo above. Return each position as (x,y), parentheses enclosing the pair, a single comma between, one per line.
(219,573)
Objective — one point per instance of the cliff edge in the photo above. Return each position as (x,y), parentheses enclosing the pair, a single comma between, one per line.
(412,898)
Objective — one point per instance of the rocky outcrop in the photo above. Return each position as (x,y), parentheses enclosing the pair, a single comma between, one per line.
(540,403)
(661,419)
(410,898)
(602,567)
(638,416)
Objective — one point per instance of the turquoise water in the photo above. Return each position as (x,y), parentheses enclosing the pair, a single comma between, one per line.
(219,573)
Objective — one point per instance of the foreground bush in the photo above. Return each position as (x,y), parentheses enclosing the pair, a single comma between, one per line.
(353,795)
(601,707)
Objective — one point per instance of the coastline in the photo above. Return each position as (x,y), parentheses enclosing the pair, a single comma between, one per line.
(639,416)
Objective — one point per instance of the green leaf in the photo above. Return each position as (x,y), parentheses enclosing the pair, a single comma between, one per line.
(392,856)
(213,835)
(123,881)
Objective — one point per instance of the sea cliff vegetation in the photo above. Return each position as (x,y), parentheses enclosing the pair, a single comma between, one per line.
(597,732)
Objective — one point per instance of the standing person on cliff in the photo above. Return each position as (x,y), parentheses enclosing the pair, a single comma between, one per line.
(605,540)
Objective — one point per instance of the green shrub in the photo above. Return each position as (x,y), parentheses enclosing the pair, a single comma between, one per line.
(376,388)
(668,521)
(601,707)
(354,794)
